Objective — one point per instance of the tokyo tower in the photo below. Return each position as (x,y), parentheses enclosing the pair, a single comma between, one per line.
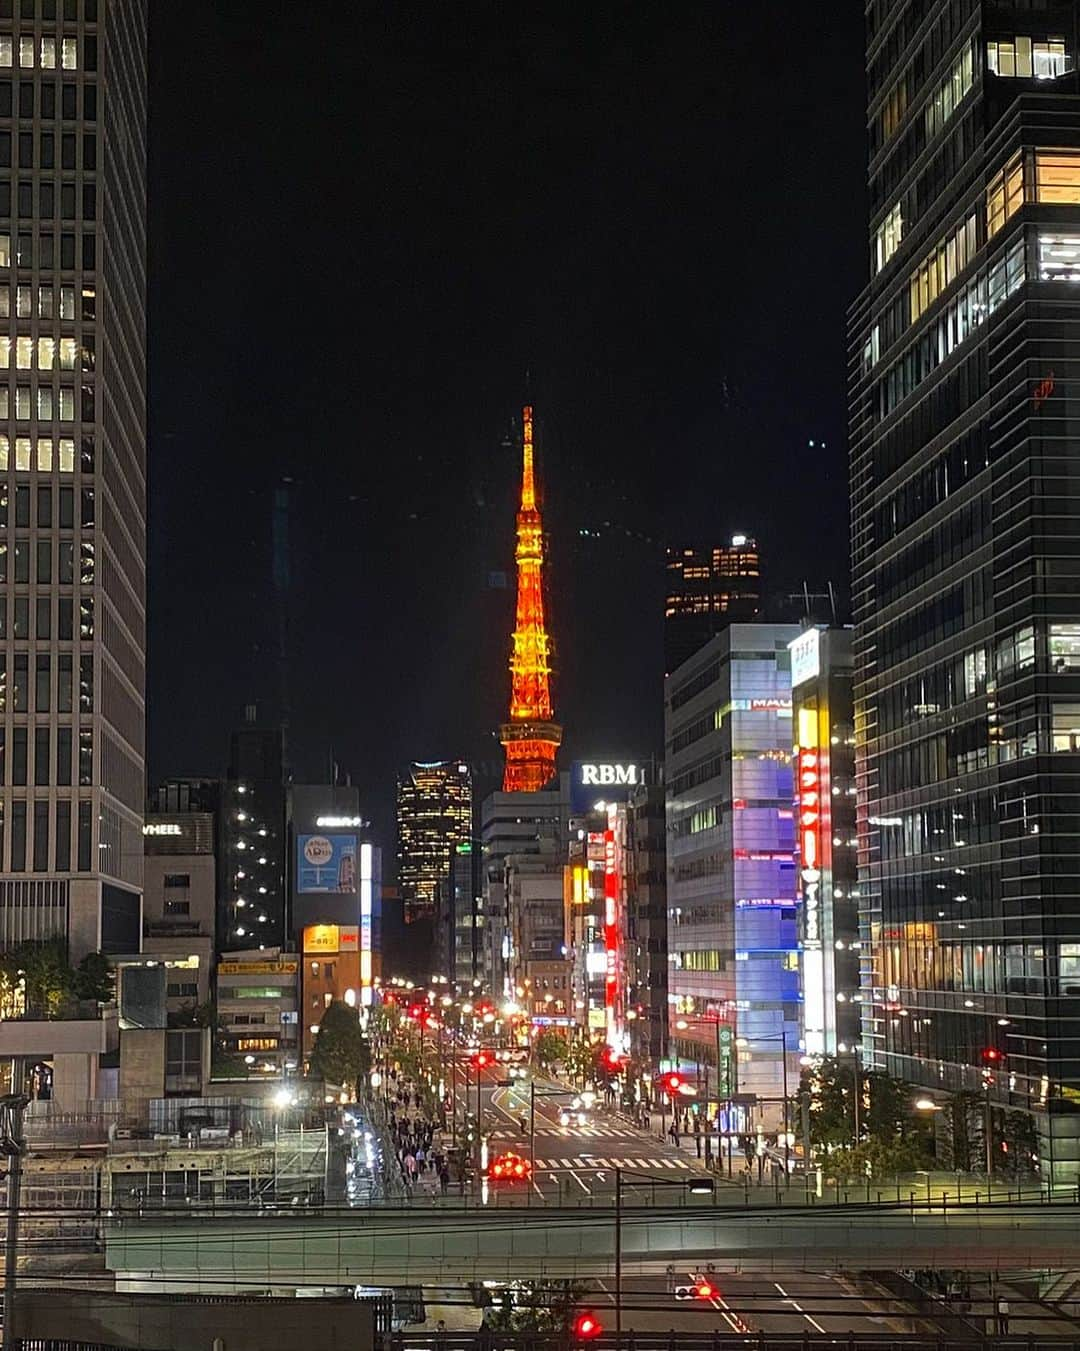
(530,737)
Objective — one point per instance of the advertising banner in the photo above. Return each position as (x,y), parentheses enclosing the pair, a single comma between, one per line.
(325,863)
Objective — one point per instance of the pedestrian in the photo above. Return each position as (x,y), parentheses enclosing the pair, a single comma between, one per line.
(444,1179)
(1002,1316)
(420,1156)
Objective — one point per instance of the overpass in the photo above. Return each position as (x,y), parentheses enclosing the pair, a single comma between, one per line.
(284,1250)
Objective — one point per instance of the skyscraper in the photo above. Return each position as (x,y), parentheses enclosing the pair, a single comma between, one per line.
(531,738)
(708,587)
(434,816)
(965,558)
(254,809)
(72,455)
(733,960)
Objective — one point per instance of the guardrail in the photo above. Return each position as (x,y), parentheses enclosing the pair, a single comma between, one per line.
(717,1341)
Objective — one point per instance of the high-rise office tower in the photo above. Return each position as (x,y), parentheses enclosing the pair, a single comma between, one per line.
(733,959)
(434,816)
(966,566)
(708,587)
(530,737)
(72,457)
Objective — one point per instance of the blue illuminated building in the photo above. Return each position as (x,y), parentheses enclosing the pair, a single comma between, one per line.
(732,929)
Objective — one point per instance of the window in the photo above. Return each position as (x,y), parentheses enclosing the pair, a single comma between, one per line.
(42,686)
(1057,176)
(63,755)
(1065,727)
(173,907)
(1027,58)
(1065,647)
(177,880)
(887,237)
(940,268)
(6,51)
(1059,256)
(48,53)
(181,989)
(1004,195)
(950,93)
(44,455)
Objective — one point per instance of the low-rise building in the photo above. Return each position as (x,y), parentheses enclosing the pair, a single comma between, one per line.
(258,1009)
(180,901)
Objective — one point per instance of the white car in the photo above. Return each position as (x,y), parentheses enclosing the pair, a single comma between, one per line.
(571,1118)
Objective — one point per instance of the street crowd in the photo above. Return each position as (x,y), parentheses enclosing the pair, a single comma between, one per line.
(418,1142)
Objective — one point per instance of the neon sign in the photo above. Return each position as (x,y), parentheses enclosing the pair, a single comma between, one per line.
(611,930)
(811,810)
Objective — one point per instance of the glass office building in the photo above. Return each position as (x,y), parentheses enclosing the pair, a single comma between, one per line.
(966,559)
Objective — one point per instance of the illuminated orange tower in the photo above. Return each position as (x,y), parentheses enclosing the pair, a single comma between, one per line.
(531,738)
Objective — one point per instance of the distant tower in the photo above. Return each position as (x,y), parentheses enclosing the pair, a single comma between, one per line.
(530,738)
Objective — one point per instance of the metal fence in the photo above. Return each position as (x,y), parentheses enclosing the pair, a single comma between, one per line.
(689,1341)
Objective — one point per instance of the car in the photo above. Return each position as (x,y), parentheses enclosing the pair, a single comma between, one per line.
(570,1117)
(509,1167)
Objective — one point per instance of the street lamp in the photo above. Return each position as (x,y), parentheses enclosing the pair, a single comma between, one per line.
(696,1186)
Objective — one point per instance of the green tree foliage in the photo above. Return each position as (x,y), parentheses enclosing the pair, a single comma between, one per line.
(877,1159)
(94,978)
(341,1054)
(44,971)
(537,1306)
(884,1111)
(549,1048)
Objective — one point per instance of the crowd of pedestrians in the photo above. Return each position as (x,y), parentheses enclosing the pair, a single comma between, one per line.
(417,1141)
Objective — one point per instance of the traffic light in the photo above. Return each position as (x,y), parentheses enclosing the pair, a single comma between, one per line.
(415,1011)
(705,1290)
(671,1083)
(992,1056)
(614,1060)
(482,1059)
(587,1326)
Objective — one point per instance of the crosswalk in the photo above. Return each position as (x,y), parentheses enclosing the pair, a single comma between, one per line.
(594,1161)
(576,1132)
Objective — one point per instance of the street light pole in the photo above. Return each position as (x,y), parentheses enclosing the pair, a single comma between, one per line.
(532,1127)
(618,1255)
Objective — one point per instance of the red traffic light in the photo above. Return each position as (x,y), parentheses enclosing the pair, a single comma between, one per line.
(704,1290)
(482,1059)
(992,1056)
(415,1010)
(587,1325)
(614,1060)
(672,1082)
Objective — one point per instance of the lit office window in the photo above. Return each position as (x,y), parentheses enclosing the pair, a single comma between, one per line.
(48,53)
(22,454)
(1057,176)
(26,52)
(1065,730)
(69,54)
(46,353)
(6,50)
(1004,195)
(44,455)
(24,353)
(887,237)
(1027,58)
(67,455)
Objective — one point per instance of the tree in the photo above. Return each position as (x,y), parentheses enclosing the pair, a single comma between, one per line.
(44,970)
(537,1306)
(341,1054)
(549,1048)
(94,978)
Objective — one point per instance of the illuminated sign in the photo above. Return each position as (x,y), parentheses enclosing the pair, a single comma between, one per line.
(611,929)
(339,822)
(805,656)
(326,863)
(258,968)
(772,705)
(608,776)
(366,883)
(321,938)
(812,807)
(161,828)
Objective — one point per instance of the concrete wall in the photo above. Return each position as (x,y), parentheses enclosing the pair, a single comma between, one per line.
(142,1069)
(183,1323)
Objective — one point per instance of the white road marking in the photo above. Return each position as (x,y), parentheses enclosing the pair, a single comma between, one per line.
(798,1308)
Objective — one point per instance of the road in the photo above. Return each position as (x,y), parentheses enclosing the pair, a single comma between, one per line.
(573,1163)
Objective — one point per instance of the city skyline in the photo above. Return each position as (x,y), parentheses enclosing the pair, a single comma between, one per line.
(646,441)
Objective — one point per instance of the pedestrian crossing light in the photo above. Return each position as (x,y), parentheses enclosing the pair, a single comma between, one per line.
(672,1083)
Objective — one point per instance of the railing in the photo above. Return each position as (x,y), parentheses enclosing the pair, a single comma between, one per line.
(716,1341)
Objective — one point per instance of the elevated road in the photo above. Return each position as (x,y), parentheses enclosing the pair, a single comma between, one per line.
(328,1248)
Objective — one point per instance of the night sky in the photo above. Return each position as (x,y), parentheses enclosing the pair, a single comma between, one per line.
(374,231)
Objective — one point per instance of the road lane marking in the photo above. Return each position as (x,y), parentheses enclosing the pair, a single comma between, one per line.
(799,1309)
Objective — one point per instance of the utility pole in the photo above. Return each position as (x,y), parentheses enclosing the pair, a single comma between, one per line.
(12,1106)
(618,1256)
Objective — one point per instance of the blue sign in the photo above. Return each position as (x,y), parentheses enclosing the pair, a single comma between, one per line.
(326,863)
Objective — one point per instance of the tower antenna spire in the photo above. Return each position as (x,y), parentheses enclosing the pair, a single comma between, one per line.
(531,737)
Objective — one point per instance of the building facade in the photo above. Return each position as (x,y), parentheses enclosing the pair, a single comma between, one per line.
(647,925)
(733,958)
(180,902)
(259,1010)
(965,591)
(708,587)
(254,896)
(518,824)
(824,768)
(434,816)
(73,460)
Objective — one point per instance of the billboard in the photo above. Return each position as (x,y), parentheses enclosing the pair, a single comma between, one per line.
(326,863)
(592,781)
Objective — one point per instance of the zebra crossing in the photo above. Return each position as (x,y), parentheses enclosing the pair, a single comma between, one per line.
(575,1133)
(593,1162)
